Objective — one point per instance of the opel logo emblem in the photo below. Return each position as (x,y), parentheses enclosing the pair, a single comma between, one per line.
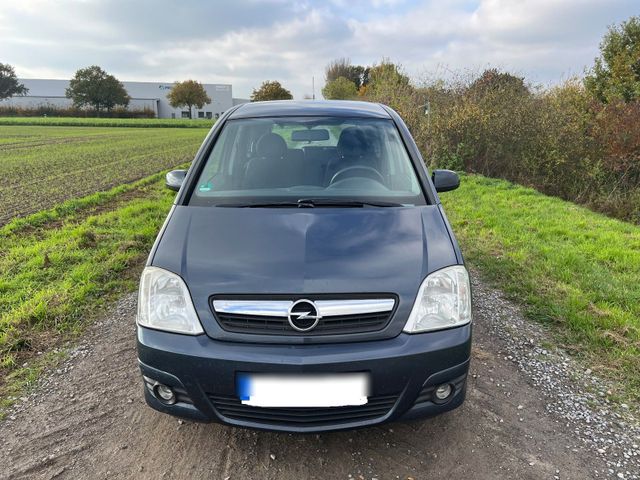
(303,315)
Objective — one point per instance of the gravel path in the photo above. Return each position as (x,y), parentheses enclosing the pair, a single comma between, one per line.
(530,413)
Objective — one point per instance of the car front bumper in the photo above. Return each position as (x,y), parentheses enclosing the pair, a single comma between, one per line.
(404,372)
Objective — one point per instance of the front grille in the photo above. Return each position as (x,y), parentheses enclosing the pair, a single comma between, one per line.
(361,323)
(232,408)
(270,316)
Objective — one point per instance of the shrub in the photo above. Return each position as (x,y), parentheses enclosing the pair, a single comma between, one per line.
(560,141)
(389,85)
(53,111)
(339,89)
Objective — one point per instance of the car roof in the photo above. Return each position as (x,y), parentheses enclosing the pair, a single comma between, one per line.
(320,108)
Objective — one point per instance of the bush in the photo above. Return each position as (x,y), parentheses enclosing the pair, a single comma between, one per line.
(616,132)
(53,111)
(389,85)
(340,89)
(561,141)
(482,128)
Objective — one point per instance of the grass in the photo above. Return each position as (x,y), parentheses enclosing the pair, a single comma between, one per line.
(569,266)
(58,268)
(108,122)
(42,167)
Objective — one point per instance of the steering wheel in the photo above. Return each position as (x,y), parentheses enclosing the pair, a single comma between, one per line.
(369,172)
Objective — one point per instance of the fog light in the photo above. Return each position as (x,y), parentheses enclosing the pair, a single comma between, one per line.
(443,391)
(165,394)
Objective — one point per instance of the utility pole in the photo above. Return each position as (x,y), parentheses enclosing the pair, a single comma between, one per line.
(313,87)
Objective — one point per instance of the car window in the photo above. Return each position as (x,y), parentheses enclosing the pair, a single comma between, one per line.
(288,159)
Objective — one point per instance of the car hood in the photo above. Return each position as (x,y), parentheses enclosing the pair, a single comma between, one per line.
(303,252)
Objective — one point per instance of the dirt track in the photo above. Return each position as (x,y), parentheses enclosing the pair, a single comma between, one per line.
(88,420)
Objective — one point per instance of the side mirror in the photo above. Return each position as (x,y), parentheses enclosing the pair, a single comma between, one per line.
(174,179)
(445,180)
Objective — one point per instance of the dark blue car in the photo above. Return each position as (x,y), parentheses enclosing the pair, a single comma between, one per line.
(306,278)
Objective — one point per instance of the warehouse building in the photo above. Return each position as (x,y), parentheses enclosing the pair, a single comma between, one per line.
(144,95)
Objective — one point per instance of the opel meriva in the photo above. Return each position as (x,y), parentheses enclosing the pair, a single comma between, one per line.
(306,278)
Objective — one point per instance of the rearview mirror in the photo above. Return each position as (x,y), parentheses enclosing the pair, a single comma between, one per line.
(174,179)
(445,180)
(313,135)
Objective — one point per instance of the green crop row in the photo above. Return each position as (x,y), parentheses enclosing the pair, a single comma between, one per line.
(42,167)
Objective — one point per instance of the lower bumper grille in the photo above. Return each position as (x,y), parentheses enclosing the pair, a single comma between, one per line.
(331,325)
(232,408)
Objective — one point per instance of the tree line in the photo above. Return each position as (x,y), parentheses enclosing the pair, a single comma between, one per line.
(93,87)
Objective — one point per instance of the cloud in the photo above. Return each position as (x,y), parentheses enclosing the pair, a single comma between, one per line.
(245,42)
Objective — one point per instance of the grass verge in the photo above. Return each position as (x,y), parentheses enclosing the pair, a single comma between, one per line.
(109,122)
(567,265)
(59,267)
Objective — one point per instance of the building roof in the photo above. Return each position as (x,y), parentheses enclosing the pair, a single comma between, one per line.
(292,108)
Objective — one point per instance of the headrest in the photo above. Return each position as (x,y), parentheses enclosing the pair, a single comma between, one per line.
(271,145)
(352,143)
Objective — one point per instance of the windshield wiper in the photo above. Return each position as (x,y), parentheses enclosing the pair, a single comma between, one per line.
(260,205)
(312,203)
(337,202)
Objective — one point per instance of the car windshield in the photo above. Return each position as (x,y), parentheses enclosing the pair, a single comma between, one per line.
(309,161)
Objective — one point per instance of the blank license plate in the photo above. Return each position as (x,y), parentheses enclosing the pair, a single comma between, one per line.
(330,390)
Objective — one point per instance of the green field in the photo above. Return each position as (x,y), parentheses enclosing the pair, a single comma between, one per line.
(43,166)
(58,268)
(568,266)
(108,122)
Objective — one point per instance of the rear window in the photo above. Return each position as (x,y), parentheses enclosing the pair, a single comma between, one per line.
(288,159)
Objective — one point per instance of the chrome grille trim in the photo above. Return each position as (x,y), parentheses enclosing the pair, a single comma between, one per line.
(262,308)
(326,308)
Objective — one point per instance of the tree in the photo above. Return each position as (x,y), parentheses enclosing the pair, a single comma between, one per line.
(339,89)
(93,86)
(188,94)
(270,90)
(342,67)
(495,81)
(388,84)
(616,73)
(9,85)
(387,75)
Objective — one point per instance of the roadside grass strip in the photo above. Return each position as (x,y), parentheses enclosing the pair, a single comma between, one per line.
(109,122)
(567,265)
(58,268)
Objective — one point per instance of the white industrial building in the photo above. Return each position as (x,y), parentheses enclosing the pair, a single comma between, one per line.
(150,95)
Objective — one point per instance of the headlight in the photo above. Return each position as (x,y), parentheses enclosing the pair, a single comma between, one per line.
(443,301)
(164,303)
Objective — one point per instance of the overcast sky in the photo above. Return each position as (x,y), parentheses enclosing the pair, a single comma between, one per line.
(243,42)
